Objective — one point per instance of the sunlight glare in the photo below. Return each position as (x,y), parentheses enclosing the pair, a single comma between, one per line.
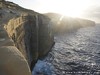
(73,8)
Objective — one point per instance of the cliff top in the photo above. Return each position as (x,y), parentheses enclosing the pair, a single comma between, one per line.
(2,0)
(9,10)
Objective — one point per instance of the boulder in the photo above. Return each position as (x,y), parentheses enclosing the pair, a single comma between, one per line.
(12,62)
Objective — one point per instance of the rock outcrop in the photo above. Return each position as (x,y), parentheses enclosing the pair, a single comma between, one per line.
(32,36)
(65,24)
(12,62)
(26,31)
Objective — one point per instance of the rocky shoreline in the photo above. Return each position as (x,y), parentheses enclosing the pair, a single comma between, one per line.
(25,37)
(75,53)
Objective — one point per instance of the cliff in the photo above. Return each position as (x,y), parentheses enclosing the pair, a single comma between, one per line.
(26,36)
(65,24)
(31,35)
(25,31)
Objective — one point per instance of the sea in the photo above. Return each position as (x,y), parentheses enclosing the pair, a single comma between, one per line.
(74,53)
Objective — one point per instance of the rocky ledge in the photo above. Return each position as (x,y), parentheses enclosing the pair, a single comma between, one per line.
(25,37)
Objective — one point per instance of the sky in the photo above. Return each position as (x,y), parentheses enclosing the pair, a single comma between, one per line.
(75,8)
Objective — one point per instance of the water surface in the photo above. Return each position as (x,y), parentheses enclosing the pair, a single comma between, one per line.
(75,53)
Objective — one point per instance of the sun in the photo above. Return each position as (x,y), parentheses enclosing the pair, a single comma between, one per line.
(71,13)
(73,8)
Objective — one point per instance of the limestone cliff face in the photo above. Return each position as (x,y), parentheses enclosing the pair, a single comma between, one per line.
(65,24)
(32,35)
(26,30)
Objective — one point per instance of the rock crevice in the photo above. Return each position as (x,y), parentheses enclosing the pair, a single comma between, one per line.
(31,35)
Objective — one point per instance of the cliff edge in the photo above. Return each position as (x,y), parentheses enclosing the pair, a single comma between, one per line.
(22,31)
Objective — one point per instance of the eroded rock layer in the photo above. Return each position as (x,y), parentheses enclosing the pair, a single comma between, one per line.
(32,36)
(26,30)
